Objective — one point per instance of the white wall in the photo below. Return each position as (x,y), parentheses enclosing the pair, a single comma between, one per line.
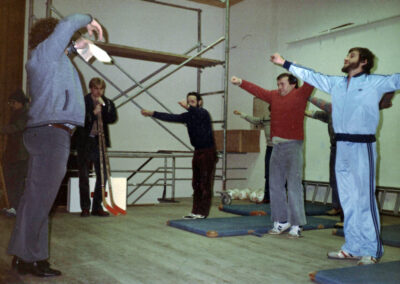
(258,28)
(156,27)
(280,22)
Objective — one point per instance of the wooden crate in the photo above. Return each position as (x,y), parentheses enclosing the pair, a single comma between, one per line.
(239,141)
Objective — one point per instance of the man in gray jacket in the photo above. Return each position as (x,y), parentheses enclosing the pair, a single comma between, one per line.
(57,107)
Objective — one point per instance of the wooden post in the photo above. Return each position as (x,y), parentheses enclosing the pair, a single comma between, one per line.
(3,187)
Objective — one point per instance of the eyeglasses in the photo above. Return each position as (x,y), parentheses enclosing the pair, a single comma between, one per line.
(11,102)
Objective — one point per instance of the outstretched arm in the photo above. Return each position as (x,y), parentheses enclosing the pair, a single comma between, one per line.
(253,89)
(146,112)
(318,80)
(320,115)
(236,81)
(252,119)
(165,116)
(324,105)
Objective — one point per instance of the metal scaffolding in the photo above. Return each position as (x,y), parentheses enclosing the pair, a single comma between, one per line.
(168,58)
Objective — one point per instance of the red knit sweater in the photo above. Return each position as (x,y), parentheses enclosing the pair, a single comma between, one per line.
(287,112)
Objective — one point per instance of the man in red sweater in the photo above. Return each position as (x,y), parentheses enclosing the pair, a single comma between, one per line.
(286,166)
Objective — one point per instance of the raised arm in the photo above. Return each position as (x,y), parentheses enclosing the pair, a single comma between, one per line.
(253,89)
(318,80)
(55,45)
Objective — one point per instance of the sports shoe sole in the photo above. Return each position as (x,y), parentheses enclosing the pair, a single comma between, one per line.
(345,256)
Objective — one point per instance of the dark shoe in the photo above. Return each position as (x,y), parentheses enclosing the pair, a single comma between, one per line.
(85,213)
(37,268)
(100,213)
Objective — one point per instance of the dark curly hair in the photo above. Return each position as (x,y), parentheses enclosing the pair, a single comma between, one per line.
(41,30)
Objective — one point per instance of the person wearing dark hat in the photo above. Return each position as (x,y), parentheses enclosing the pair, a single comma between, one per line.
(15,157)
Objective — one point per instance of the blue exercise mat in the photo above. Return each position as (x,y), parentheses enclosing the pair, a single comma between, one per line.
(390,235)
(388,273)
(237,226)
(253,209)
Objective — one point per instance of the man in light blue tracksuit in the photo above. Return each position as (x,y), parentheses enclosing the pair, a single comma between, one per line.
(355,116)
(57,107)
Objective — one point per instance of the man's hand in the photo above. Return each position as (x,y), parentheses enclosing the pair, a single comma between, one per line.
(309,113)
(236,81)
(277,59)
(97,109)
(183,103)
(386,100)
(95,26)
(237,112)
(82,43)
(146,112)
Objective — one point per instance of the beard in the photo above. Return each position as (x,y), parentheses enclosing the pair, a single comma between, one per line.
(351,66)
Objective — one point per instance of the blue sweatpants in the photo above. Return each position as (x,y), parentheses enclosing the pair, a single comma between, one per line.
(355,174)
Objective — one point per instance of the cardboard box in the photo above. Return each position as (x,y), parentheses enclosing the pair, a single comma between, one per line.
(239,141)
(119,186)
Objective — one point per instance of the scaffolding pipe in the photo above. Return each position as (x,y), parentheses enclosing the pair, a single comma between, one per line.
(49,4)
(226,85)
(124,93)
(198,49)
(213,93)
(172,5)
(136,104)
(140,85)
(126,73)
(173,71)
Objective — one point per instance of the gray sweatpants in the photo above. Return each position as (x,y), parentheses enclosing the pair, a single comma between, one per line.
(48,149)
(286,166)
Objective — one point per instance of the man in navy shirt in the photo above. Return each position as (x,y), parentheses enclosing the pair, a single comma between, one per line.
(198,123)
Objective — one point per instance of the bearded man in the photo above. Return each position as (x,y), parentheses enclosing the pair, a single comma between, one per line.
(355,118)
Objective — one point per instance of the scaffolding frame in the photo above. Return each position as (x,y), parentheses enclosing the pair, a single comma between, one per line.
(50,8)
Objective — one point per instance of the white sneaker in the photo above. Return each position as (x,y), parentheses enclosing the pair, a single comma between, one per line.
(367,260)
(342,255)
(190,216)
(295,232)
(198,216)
(279,228)
(194,216)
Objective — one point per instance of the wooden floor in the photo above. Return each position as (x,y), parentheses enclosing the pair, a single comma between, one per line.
(140,248)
